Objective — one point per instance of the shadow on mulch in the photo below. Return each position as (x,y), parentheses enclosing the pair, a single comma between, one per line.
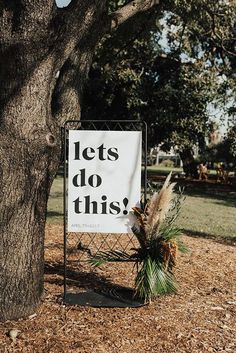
(94,290)
(221,240)
(78,278)
(54,214)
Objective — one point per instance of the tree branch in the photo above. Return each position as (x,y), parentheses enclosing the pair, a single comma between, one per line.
(75,22)
(92,20)
(130,10)
(66,99)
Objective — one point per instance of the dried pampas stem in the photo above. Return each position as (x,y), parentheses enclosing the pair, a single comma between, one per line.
(159,206)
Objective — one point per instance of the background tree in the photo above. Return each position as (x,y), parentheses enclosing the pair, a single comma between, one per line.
(222,152)
(139,75)
(45,55)
(225,151)
(181,97)
(215,44)
(115,86)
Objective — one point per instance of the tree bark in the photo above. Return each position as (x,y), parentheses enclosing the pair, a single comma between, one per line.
(45,55)
(30,146)
(26,176)
(28,140)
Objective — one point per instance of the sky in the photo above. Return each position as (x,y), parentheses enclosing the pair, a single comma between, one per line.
(62,3)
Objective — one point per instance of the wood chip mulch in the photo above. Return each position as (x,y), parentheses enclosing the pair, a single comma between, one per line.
(200,318)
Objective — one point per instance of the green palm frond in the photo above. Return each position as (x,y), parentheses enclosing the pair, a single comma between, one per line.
(153,280)
(181,246)
(109,256)
(169,233)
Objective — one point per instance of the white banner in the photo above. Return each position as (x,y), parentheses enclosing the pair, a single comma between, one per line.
(104,180)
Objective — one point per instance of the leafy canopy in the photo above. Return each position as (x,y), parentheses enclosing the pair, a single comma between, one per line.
(166,67)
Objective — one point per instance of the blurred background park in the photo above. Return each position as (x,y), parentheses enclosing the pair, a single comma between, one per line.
(175,70)
(208,208)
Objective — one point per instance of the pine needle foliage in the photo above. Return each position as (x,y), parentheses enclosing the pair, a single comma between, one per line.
(159,242)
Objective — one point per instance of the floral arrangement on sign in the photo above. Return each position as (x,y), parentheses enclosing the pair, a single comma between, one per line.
(159,242)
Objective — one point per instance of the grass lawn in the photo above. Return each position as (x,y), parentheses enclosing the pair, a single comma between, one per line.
(162,170)
(202,213)
(209,215)
(55,203)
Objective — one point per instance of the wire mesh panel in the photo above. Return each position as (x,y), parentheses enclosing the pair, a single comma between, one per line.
(79,246)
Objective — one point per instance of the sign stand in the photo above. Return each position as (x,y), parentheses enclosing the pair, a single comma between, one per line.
(103,126)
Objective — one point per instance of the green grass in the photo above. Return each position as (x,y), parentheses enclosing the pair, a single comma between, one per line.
(208,215)
(203,213)
(161,170)
(55,202)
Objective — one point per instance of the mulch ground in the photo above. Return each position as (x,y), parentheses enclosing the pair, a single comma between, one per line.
(200,318)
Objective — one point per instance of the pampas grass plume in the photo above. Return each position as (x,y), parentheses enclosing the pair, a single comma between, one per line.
(159,206)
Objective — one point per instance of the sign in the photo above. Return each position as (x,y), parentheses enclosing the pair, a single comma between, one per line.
(104,180)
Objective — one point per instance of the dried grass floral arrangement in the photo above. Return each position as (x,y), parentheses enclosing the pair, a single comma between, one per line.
(159,242)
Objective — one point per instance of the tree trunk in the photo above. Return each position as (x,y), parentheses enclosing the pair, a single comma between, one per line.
(27,144)
(45,55)
(34,103)
(25,187)
(189,164)
(29,150)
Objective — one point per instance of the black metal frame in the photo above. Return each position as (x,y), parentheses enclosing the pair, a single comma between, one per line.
(112,125)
